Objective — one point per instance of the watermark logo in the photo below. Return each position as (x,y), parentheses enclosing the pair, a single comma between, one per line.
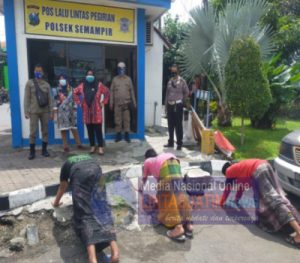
(170,200)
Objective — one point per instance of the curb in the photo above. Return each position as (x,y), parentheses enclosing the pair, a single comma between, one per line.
(30,195)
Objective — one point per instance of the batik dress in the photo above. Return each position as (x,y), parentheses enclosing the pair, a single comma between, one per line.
(274,210)
(173,203)
(66,109)
(92,216)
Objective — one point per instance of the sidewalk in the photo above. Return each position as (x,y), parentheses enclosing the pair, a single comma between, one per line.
(17,172)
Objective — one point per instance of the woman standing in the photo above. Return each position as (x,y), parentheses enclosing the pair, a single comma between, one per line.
(92,97)
(66,111)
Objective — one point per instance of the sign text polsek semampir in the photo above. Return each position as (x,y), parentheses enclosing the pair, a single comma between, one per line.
(78,14)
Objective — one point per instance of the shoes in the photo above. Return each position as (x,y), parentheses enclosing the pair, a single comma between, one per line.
(32,152)
(169,145)
(127,139)
(179,147)
(118,137)
(45,153)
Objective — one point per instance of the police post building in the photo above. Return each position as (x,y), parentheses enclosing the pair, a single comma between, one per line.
(71,36)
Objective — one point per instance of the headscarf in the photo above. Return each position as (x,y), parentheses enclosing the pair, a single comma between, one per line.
(89,90)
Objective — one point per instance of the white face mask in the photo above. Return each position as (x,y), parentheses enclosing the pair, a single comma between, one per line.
(63,82)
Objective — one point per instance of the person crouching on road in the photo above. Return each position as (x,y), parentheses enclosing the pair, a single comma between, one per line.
(92,97)
(122,101)
(174,210)
(177,91)
(38,108)
(273,209)
(92,217)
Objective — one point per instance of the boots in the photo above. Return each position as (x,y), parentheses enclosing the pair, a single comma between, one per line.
(44,150)
(118,137)
(127,139)
(32,152)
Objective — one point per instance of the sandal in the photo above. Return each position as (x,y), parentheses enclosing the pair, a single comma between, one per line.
(92,151)
(292,242)
(101,153)
(188,233)
(66,149)
(80,147)
(180,238)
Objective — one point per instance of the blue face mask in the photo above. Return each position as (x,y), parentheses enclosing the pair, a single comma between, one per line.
(90,78)
(38,75)
(121,71)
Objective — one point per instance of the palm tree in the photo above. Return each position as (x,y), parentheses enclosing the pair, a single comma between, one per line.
(209,39)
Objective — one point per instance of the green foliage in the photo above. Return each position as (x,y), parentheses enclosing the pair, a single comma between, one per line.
(174,31)
(263,144)
(247,87)
(283,80)
(208,41)
(284,17)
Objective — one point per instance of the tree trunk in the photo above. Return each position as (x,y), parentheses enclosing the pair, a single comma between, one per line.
(242,131)
(224,116)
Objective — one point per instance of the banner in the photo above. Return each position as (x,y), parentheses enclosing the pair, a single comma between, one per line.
(76,20)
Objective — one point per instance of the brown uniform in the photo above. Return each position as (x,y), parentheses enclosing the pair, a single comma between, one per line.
(34,111)
(121,96)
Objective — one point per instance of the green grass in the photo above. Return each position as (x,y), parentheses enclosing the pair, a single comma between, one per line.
(263,144)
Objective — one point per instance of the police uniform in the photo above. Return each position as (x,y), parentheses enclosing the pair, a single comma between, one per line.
(177,91)
(34,111)
(121,98)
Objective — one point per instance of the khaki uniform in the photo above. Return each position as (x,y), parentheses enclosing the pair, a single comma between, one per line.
(35,112)
(121,96)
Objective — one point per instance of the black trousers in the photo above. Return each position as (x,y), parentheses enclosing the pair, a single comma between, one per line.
(175,116)
(95,129)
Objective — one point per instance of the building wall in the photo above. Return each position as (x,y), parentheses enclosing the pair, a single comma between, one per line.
(18,62)
(23,69)
(153,81)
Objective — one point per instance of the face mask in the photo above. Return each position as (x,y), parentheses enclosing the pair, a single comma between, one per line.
(173,74)
(90,78)
(38,75)
(121,71)
(63,82)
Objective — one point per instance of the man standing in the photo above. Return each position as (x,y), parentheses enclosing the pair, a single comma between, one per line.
(38,107)
(122,99)
(177,91)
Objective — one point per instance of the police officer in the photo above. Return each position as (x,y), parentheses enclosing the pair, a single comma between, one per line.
(122,99)
(177,91)
(35,113)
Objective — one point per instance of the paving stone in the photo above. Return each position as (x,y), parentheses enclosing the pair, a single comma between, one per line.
(32,235)
(5,253)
